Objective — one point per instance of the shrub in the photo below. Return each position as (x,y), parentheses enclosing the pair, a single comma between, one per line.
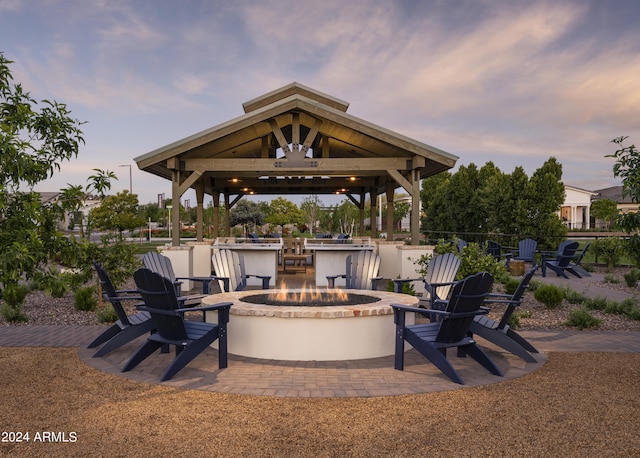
(514,319)
(550,295)
(574,297)
(596,303)
(627,308)
(13,298)
(511,285)
(535,284)
(632,277)
(609,250)
(581,318)
(407,288)
(85,299)
(609,278)
(106,314)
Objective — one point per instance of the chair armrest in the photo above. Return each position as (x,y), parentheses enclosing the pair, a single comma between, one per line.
(207,308)
(331,279)
(497,296)
(374,282)
(226,283)
(406,308)
(126,291)
(121,298)
(266,279)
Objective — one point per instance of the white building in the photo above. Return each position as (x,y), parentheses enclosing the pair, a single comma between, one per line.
(575,211)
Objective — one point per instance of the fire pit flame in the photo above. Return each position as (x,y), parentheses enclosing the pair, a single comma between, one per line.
(307,295)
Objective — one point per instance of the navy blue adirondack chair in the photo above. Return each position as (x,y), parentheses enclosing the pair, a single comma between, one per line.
(189,337)
(127,327)
(230,271)
(574,266)
(499,332)
(495,250)
(562,262)
(431,340)
(526,251)
(361,271)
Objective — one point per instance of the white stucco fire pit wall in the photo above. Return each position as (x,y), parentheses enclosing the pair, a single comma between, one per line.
(311,333)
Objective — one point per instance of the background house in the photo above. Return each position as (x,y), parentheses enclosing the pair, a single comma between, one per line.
(575,211)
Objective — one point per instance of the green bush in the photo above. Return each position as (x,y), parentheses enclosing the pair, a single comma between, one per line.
(106,314)
(608,250)
(85,299)
(581,318)
(632,277)
(407,288)
(550,295)
(627,308)
(610,278)
(511,285)
(596,303)
(13,298)
(535,284)
(574,297)
(13,313)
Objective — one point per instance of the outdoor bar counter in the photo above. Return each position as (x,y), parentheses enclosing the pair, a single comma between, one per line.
(330,256)
(260,258)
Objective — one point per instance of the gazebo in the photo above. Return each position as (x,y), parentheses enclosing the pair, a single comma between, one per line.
(296,141)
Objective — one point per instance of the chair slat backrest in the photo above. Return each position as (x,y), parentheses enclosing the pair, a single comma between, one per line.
(442,269)
(467,296)
(567,254)
(362,267)
(527,249)
(158,293)
(494,249)
(159,263)
(230,264)
(110,294)
(582,253)
(517,296)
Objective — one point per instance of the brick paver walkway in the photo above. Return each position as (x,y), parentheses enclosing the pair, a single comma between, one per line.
(363,378)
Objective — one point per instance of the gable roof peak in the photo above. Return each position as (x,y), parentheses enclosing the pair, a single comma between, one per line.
(294,88)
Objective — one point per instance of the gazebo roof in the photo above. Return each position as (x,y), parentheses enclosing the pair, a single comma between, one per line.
(295,140)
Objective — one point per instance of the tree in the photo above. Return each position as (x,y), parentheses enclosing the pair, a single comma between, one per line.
(283,211)
(627,167)
(246,212)
(310,208)
(101,182)
(71,200)
(543,196)
(34,141)
(476,202)
(606,210)
(118,213)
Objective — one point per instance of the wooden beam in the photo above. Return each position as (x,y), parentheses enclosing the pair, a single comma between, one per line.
(282,141)
(311,136)
(401,180)
(278,167)
(191,179)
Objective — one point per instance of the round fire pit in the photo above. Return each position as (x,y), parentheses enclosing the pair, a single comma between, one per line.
(315,299)
(310,332)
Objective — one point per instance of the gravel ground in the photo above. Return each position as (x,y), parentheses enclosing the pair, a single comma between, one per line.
(578,404)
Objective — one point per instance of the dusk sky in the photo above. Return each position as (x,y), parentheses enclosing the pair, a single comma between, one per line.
(513,82)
